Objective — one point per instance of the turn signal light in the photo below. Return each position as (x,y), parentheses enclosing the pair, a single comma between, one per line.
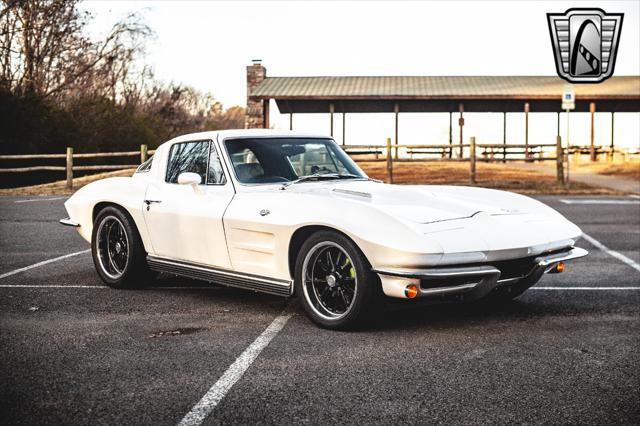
(411,291)
(560,267)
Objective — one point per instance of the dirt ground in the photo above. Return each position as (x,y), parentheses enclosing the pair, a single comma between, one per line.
(628,169)
(60,187)
(499,176)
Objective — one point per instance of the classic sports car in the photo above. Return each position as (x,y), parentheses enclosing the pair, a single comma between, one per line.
(290,213)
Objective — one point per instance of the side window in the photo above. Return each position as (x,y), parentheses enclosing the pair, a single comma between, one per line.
(215,175)
(188,157)
(146,166)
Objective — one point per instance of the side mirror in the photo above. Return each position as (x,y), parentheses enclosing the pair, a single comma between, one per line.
(188,178)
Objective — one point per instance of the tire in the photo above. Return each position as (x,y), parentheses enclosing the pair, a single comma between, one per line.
(348,299)
(118,253)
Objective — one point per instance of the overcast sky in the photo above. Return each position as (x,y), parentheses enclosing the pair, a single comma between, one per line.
(208,44)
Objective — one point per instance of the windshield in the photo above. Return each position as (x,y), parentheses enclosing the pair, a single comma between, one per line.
(281,160)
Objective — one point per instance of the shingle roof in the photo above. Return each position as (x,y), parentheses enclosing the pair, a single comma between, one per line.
(407,87)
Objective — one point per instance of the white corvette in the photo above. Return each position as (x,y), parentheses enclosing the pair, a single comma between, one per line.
(290,213)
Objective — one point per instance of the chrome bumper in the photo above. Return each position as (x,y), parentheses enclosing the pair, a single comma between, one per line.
(68,222)
(477,281)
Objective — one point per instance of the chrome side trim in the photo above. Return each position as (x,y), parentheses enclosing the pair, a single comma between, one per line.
(68,222)
(222,276)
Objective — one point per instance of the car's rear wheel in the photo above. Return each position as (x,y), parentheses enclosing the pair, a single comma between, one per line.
(334,281)
(118,253)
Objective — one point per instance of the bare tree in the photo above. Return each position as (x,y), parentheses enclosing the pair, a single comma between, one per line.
(45,52)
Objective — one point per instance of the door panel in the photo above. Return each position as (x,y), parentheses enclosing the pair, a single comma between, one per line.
(185,222)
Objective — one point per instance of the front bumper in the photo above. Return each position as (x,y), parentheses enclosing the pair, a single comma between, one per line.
(473,281)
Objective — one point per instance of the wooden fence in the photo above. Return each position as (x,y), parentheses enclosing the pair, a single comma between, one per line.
(388,153)
(69,156)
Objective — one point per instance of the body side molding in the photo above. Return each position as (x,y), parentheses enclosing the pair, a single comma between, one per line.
(222,276)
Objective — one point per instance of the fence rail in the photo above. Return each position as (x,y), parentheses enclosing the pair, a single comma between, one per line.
(388,153)
(69,156)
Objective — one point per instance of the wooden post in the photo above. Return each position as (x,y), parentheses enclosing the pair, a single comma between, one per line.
(559,160)
(612,148)
(592,148)
(143,153)
(69,167)
(472,161)
(331,111)
(461,124)
(504,137)
(450,134)
(526,130)
(344,126)
(290,121)
(389,162)
(396,111)
(265,114)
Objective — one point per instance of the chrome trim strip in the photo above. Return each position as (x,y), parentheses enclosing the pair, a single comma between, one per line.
(68,222)
(452,289)
(574,253)
(222,276)
(439,272)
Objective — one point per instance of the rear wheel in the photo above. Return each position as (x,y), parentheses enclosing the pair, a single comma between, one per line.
(118,253)
(334,281)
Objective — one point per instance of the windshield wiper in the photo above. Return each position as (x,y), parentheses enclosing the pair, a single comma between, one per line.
(323,176)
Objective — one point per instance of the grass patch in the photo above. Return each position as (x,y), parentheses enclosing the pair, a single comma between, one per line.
(498,176)
(60,187)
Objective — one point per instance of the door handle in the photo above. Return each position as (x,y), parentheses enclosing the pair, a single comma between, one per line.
(148,203)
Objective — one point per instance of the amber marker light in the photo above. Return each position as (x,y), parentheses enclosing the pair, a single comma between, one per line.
(560,267)
(411,291)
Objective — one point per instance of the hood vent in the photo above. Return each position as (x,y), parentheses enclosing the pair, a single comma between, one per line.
(353,193)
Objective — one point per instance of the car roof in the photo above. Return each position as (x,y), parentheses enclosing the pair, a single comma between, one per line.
(239,133)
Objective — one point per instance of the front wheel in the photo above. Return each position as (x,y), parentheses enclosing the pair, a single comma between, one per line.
(334,281)
(118,253)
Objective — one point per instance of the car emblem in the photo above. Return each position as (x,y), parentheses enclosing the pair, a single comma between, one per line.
(264,212)
(585,43)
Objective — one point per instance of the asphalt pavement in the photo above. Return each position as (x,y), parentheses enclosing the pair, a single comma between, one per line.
(75,352)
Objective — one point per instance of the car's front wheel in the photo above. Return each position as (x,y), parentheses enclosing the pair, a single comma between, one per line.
(118,253)
(334,281)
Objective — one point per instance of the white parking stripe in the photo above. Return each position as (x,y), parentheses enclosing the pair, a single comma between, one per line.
(102,287)
(44,262)
(31,200)
(585,288)
(210,400)
(586,201)
(51,286)
(621,257)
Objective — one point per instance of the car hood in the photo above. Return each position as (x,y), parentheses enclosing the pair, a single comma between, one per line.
(425,203)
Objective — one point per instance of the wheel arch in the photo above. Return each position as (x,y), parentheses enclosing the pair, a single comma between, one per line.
(301,234)
(98,207)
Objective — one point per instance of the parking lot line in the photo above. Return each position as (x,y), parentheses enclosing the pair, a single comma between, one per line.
(44,262)
(621,257)
(588,201)
(585,288)
(31,200)
(214,395)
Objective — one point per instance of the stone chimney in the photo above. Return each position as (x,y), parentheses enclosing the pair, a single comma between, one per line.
(257,114)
